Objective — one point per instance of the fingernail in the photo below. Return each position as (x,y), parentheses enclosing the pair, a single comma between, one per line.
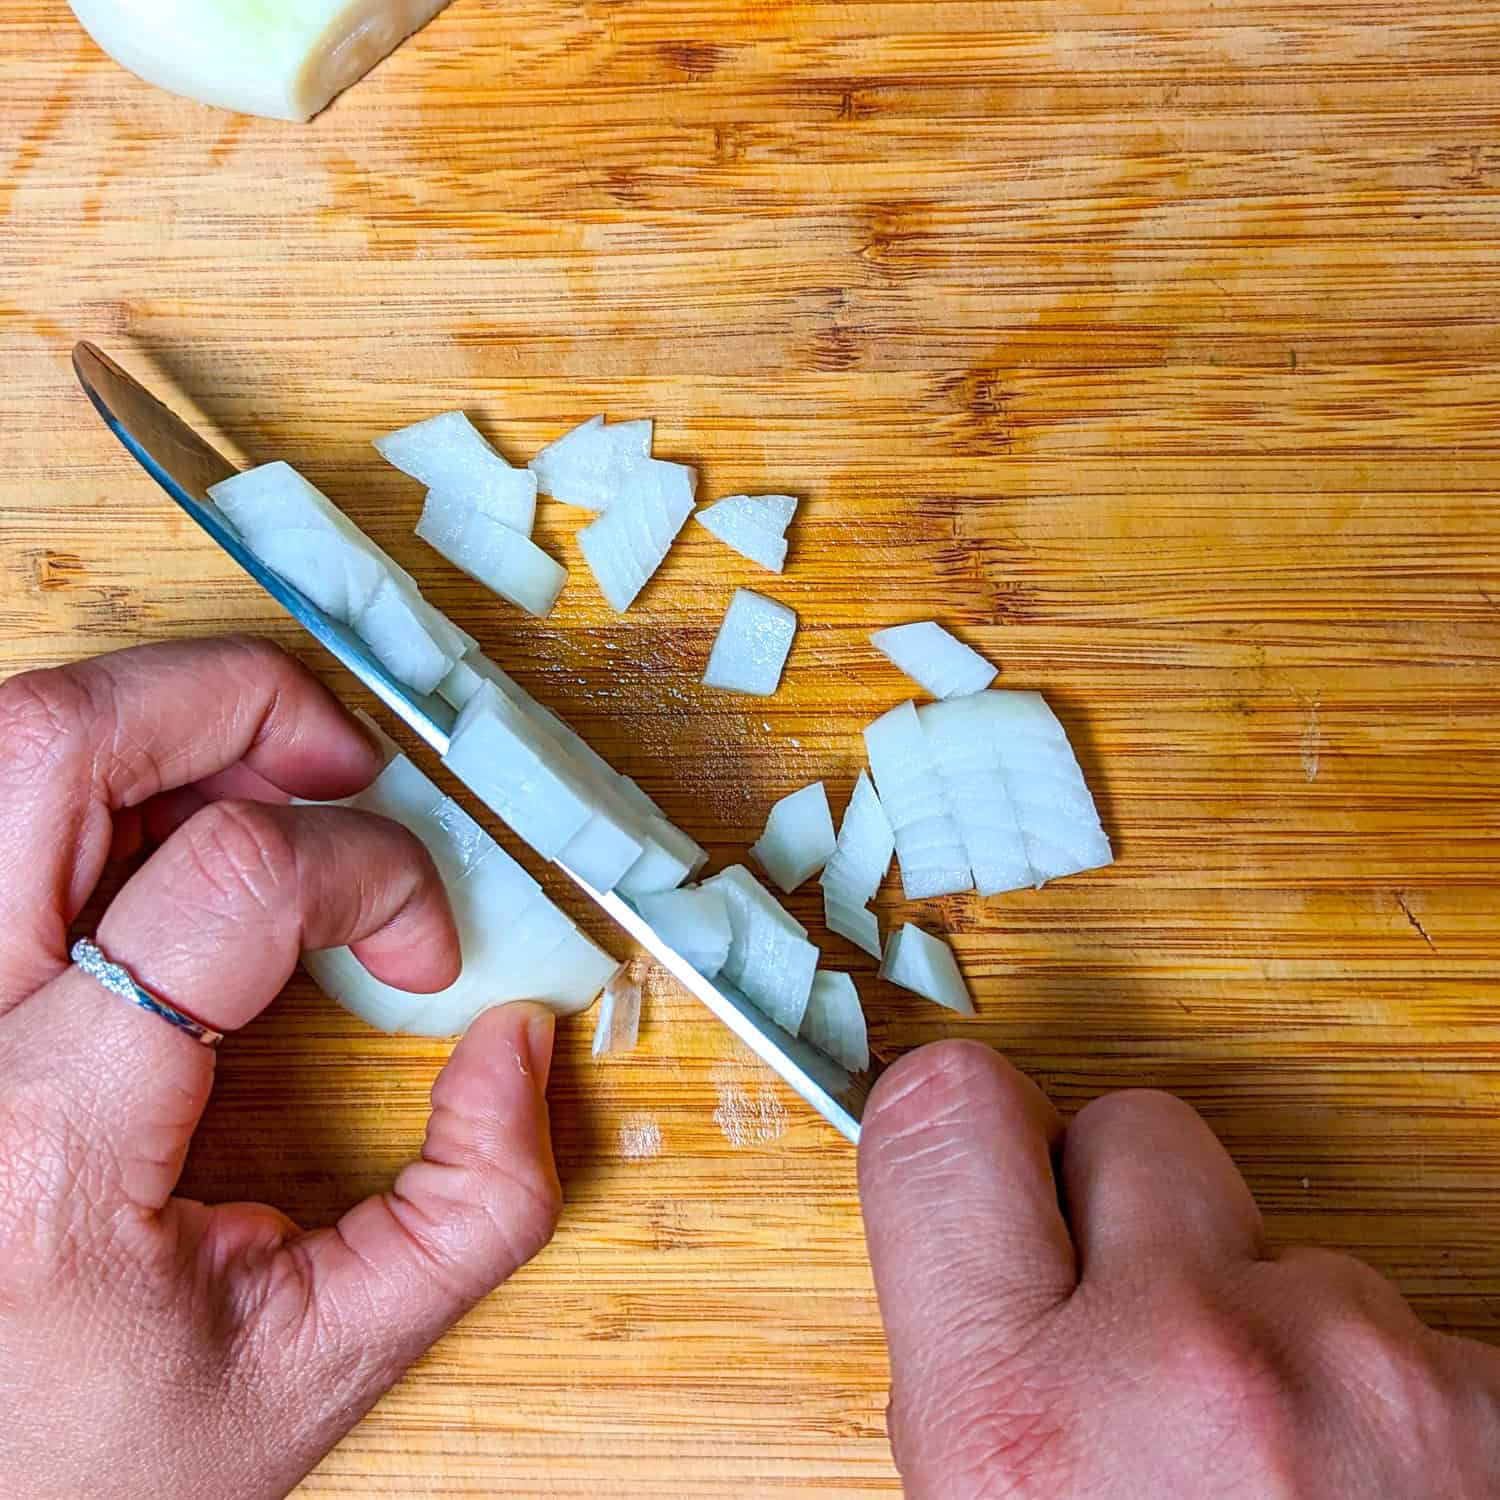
(375,736)
(538,1041)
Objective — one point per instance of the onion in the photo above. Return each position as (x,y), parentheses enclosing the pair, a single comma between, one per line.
(667,855)
(754,525)
(966,751)
(585,467)
(516,943)
(925,965)
(752,645)
(281,58)
(493,753)
(856,868)
(835,1022)
(339,579)
(693,922)
(503,560)
(940,662)
(619,1025)
(769,959)
(798,838)
(630,541)
(929,845)
(447,454)
(602,851)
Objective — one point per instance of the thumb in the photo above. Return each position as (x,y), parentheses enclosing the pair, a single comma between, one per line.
(967,1240)
(400,1269)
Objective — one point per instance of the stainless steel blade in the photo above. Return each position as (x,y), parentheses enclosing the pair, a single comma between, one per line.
(184,465)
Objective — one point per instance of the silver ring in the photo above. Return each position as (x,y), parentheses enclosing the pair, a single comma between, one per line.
(118,980)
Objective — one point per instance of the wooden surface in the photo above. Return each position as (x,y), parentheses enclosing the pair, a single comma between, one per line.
(1155,346)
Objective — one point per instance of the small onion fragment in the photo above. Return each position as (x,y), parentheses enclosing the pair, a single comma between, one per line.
(770,959)
(692,922)
(754,525)
(940,662)
(925,965)
(752,645)
(618,1027)
(798,838)
(448,454)
(627,544)
(835,1021)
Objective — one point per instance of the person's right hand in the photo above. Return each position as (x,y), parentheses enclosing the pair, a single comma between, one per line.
(1127,1337)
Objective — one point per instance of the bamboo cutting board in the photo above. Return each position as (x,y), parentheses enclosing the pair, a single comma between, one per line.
(1154,347)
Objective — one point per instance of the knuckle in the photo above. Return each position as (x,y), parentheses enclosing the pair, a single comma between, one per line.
(240,855)
(40,716)
(928,1087)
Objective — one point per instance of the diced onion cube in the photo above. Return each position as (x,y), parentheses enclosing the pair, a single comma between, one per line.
(504,561)
(618,1026)
(586,467)
(752,645)
(693,923)
(835,1021)
(940,662)
(768,961)
(627,544)
(798,838)
(754,525)
(447,454)
(925,965)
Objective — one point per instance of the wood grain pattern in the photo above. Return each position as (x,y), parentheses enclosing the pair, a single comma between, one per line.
(1155,346)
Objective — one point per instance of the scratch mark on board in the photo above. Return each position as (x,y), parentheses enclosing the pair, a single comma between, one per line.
(1411,917)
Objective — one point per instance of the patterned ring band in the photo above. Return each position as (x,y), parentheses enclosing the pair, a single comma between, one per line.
(118,980)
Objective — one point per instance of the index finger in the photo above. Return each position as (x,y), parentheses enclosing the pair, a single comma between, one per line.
(80,742)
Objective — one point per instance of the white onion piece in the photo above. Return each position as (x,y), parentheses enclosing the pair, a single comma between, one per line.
(798,837)
(618,1026)
(389,749)
(275,497)
(341,976)
(339,578)
(965,749)
(394,627)
(754,525)
(447,454)
(668,856)
(602,851)
(852,920)
(505,561)
(284,59)
(925,965)
(493,753)
(630,541)
(835,1021)
(768,962)
(1059,822)
(929,846)
(586,467)
(928,654)
(752,645)
(693,923)
(865,844)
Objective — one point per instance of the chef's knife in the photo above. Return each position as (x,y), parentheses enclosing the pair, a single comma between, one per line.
(184,465)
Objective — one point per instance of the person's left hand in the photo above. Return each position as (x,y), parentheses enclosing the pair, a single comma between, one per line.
(151,1346)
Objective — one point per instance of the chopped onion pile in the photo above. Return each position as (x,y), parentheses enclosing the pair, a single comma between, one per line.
(925,965)
(618,1027)
(516,943)
(940,662)
(692,921)
(798,839)
(284,59)
(752,645)
(588,466)
(770,959)
(302,536)
(754,525)
(856,868)
(929,846)
(835,1022)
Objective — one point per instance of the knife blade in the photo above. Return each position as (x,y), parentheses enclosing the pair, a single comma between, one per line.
(185,465)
